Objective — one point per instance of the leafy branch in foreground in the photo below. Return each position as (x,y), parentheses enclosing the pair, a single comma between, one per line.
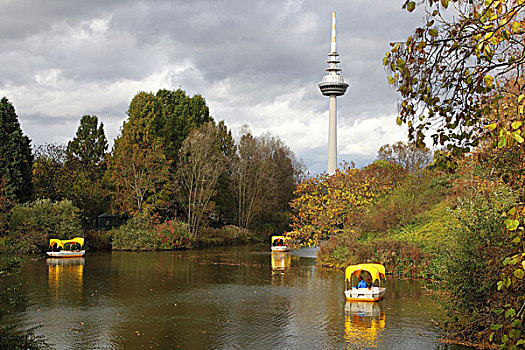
(447,71)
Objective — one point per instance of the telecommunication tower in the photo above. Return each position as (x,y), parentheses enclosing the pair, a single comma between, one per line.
(332,85)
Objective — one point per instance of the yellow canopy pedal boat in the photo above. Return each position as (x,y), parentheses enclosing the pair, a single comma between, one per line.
(279,244)
(71,248)
(365,282)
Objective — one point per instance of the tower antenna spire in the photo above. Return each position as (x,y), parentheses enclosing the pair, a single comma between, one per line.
(333,47)
(332,85)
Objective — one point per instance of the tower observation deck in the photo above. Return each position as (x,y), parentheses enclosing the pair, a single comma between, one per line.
(332,85)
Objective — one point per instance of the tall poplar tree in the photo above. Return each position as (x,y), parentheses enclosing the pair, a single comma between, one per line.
(16,159)
(181,114)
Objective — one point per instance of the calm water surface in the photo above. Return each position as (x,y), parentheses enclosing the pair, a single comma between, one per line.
(219,298)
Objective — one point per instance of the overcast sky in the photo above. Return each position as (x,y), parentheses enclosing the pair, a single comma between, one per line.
(255,62)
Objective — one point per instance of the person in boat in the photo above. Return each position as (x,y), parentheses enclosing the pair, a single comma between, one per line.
(368,282)
(361,283)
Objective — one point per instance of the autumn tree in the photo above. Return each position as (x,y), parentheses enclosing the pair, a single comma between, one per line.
(248,175)
(16,159)
(453,75)
(201,162)
(409,156)
(262,180)
(448,70)
(137,175)
(324,205)
(278,188)
(138,170)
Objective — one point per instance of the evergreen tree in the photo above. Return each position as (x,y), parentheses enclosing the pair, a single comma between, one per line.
(90,144)
(16,159)
(83,170)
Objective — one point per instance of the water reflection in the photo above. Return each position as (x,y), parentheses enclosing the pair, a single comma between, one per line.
(280,261)
(65,276)
(364,322)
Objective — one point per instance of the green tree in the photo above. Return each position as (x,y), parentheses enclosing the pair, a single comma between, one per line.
(145,114)
(85,167)
(181,114)
(89,145)
(16,159)
(48,172)
(224,205)
(6,203)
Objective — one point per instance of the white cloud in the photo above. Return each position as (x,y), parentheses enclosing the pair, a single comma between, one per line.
(255,63)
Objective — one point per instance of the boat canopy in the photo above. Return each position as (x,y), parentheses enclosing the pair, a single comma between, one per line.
(284,238)
(61,242)
(376,270)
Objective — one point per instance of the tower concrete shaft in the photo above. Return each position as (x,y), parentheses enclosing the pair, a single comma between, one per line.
(332,85)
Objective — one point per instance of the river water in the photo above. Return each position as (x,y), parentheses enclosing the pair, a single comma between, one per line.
(218,298)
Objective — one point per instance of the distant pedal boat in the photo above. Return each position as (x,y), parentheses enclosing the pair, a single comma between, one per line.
(375,289)
(57,248)
(279,245)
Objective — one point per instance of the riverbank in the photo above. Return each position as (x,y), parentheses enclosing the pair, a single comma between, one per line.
(416,250)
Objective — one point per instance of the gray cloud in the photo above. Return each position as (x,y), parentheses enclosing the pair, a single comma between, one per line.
(255,62)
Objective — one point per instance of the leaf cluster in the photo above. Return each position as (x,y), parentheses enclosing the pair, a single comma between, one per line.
(448,71)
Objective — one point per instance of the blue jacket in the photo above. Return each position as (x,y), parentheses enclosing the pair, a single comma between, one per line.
(362,284)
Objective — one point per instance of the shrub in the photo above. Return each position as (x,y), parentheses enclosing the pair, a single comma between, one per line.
(174,234)
(229,234)
(143,232)
(32,224)
(136,234)
(471,270)
(98,239)
(398,257)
